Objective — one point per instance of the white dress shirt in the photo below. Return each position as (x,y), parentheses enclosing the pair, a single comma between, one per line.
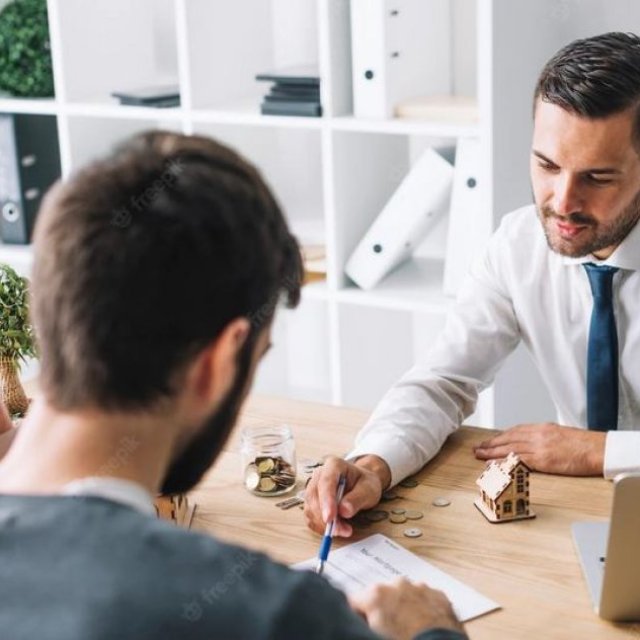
(519,290)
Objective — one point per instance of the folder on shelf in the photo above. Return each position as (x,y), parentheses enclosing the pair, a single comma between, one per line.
(411,211)
(469,227)
(29,165)
(399,49)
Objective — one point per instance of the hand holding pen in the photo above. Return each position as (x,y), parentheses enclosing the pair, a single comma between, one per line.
(325,545)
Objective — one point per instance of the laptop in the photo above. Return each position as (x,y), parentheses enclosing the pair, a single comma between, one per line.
(610,554)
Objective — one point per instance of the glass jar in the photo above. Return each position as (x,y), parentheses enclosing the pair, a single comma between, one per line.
(268,457)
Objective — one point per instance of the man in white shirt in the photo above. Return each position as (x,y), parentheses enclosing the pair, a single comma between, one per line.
(562,275)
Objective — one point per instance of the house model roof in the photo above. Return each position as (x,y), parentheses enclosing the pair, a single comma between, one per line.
(497,475)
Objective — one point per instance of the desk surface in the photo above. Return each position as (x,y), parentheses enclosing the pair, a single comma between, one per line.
(529,567)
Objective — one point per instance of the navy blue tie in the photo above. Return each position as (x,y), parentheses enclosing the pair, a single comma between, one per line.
(602,354)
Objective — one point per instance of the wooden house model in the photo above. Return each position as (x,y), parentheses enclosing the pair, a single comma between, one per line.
(504,490)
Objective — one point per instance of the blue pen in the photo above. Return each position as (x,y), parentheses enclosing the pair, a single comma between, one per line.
(323,554)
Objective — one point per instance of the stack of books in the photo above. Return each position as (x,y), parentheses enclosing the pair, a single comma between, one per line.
(150,96)
(295,92)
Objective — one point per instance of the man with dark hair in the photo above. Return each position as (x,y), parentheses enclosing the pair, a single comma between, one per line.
(157,274)
(562,276)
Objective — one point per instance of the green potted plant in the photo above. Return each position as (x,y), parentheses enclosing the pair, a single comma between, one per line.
(17,340)
(25,54)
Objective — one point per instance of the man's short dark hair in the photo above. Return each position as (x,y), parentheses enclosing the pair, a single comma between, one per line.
(142,259)
(595,77)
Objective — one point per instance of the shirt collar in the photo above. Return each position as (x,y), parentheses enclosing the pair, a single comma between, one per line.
(626,255)
(126,492)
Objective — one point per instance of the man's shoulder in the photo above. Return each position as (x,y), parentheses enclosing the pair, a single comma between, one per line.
(519,234)
(120,534)
(177,577)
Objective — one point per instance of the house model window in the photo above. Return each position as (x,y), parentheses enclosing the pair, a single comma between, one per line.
(504,490)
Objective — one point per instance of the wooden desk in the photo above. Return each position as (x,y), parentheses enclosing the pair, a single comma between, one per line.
(529,567)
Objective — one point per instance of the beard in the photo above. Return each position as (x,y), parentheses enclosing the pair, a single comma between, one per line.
(595,236)
(188,468)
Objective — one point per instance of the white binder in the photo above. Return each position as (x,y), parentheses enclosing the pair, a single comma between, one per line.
(469,228)
(411,211)
(392,48)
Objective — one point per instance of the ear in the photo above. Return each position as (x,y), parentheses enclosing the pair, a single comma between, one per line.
(215,369)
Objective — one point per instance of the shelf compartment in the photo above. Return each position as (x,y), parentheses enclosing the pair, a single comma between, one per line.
(93,137)
(289,160)
(367,169)
(414,285)
(297,365)
(456,48)
(226,49)
(381,362)
(116,45)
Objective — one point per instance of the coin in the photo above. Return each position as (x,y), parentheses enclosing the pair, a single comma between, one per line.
(397,518)
(251,477)
(441,502)
(409,483)
(389,495)
(412,533)
(265,465)
(398,512)
(375,515)
(413,515)
(267,484)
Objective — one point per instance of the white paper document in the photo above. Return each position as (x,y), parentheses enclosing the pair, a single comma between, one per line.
(378,559)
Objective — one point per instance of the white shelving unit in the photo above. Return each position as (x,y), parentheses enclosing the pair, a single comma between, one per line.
(332,174)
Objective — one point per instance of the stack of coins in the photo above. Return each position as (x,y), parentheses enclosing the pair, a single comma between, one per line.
(269,476)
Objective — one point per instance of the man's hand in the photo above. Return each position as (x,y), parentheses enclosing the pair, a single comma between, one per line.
(550,448)
(401,610)
(366,480)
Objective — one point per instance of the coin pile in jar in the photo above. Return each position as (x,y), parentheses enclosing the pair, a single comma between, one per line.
(269,476)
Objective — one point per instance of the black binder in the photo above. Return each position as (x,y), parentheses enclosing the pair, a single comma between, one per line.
(29,165)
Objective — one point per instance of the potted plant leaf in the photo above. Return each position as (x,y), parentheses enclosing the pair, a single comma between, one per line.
(17,340)
(25,57)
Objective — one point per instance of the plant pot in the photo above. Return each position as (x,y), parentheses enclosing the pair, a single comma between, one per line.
(11,390)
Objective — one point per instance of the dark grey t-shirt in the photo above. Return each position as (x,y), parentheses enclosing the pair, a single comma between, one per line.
(85,568)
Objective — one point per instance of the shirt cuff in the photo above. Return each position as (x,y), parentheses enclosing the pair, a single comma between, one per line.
(394,452)
(621,453)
